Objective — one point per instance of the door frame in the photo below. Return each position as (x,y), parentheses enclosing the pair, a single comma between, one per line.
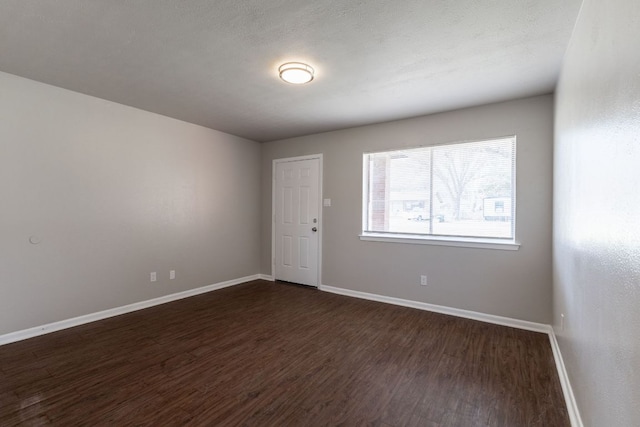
(273,211)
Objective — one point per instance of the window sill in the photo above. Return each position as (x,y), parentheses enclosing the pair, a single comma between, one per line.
(504,245)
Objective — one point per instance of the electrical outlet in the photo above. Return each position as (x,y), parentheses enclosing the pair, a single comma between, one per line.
(153,276)
(423,280)
(172,274)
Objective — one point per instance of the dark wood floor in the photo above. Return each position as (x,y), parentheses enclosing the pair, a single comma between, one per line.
(272,354)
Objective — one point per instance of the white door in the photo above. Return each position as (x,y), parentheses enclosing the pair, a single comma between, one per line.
(297,220)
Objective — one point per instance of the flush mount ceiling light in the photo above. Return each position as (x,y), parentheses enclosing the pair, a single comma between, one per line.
(296,73)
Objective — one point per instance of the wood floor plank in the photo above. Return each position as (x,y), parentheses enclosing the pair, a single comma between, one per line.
(274,354)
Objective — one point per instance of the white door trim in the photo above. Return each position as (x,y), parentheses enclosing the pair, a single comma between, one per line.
(273,211)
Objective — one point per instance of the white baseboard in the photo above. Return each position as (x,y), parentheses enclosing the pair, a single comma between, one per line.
(567,390)
(489,318)
(81,320)
(267,277)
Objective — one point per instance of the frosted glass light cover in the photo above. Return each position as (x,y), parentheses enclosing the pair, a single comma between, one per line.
(296,72)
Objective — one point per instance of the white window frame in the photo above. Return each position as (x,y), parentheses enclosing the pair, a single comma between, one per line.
(429,239)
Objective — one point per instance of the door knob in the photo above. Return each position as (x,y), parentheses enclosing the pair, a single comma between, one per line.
(314,229)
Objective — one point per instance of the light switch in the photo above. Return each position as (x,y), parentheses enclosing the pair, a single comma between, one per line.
(326,202)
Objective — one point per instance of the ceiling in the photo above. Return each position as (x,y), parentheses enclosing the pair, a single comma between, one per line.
(214,62)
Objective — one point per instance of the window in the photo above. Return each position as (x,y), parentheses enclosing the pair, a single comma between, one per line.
(463,191)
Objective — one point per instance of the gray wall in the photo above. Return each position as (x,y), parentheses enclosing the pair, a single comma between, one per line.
(597,213)
(115,193)
(515,284)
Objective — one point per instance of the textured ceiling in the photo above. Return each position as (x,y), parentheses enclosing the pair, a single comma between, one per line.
(214,62)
